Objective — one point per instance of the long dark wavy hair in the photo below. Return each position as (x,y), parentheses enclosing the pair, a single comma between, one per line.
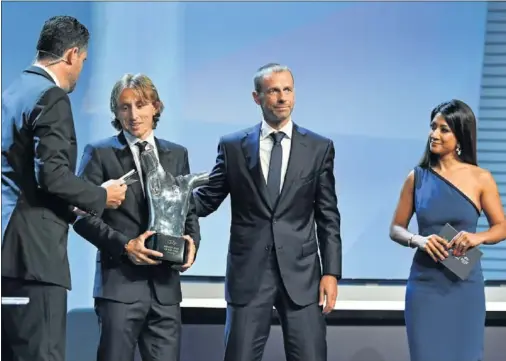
(462,122)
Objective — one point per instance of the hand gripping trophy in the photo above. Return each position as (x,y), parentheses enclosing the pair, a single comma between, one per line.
(168,202)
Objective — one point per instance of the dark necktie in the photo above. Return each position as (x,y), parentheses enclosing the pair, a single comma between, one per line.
(274,175)
(142,147)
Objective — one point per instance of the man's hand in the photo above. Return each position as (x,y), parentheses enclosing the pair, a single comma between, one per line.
(138,253)
(116,190)
(190,252)
(328,293)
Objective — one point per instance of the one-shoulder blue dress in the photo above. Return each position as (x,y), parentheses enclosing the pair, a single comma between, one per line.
(445,316)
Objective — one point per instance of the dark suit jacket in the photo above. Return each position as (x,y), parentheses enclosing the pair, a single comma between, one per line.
(116,277)
(308,197)
(39,188)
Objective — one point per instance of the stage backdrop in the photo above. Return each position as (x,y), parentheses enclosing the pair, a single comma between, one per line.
(367,76)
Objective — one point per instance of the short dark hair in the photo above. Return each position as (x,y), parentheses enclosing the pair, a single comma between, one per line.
(59,34)
(462,122)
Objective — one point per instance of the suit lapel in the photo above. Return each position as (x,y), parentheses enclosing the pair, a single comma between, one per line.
(296,162)
(126,159)
(251,150)
(164,157)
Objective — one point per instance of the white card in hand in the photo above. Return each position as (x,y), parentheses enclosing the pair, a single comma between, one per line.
(118,181)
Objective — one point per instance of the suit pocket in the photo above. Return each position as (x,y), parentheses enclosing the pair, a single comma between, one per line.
(56,231)
(47,215)
(309,248)
(238,248)
(308,178)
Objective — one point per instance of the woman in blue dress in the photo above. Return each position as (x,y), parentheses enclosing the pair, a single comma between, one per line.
(445,316)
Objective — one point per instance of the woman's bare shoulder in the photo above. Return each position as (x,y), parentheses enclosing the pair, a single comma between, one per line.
(480,174)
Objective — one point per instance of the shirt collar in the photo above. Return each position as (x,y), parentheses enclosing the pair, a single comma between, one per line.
(131,140)
(266,130)
(51,74)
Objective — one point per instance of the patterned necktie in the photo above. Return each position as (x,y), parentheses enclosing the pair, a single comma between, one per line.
(274,175)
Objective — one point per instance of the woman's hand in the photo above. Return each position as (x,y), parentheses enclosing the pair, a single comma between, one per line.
(434,245)
(463,241)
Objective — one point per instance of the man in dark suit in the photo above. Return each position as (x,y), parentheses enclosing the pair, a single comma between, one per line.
(280,178)
(136,298)
(40,192)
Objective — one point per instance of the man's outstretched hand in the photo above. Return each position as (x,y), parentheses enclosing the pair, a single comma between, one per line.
(116,189)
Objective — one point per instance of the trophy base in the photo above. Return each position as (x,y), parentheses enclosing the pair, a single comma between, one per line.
(172,248)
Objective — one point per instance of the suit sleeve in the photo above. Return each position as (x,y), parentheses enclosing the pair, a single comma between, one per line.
(208,198)
(192,227)
(327,216)
(93,228)
(53,133)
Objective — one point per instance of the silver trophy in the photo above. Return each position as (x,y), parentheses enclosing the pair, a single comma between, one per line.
(168,202)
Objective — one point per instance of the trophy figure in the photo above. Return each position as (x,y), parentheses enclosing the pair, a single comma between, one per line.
(168,202)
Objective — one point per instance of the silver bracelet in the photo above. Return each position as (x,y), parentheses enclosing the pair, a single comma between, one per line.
(410,239)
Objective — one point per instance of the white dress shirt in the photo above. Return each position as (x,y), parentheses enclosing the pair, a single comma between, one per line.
(131,140)
(266,144)
(51,74)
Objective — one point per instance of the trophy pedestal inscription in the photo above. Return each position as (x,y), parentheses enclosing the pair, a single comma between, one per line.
(172,248)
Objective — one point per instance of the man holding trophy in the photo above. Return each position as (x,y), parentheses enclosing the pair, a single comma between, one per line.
(145,243)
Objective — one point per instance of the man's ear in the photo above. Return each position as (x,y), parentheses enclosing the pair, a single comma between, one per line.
(257,97)
(156,107)
(70,56)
